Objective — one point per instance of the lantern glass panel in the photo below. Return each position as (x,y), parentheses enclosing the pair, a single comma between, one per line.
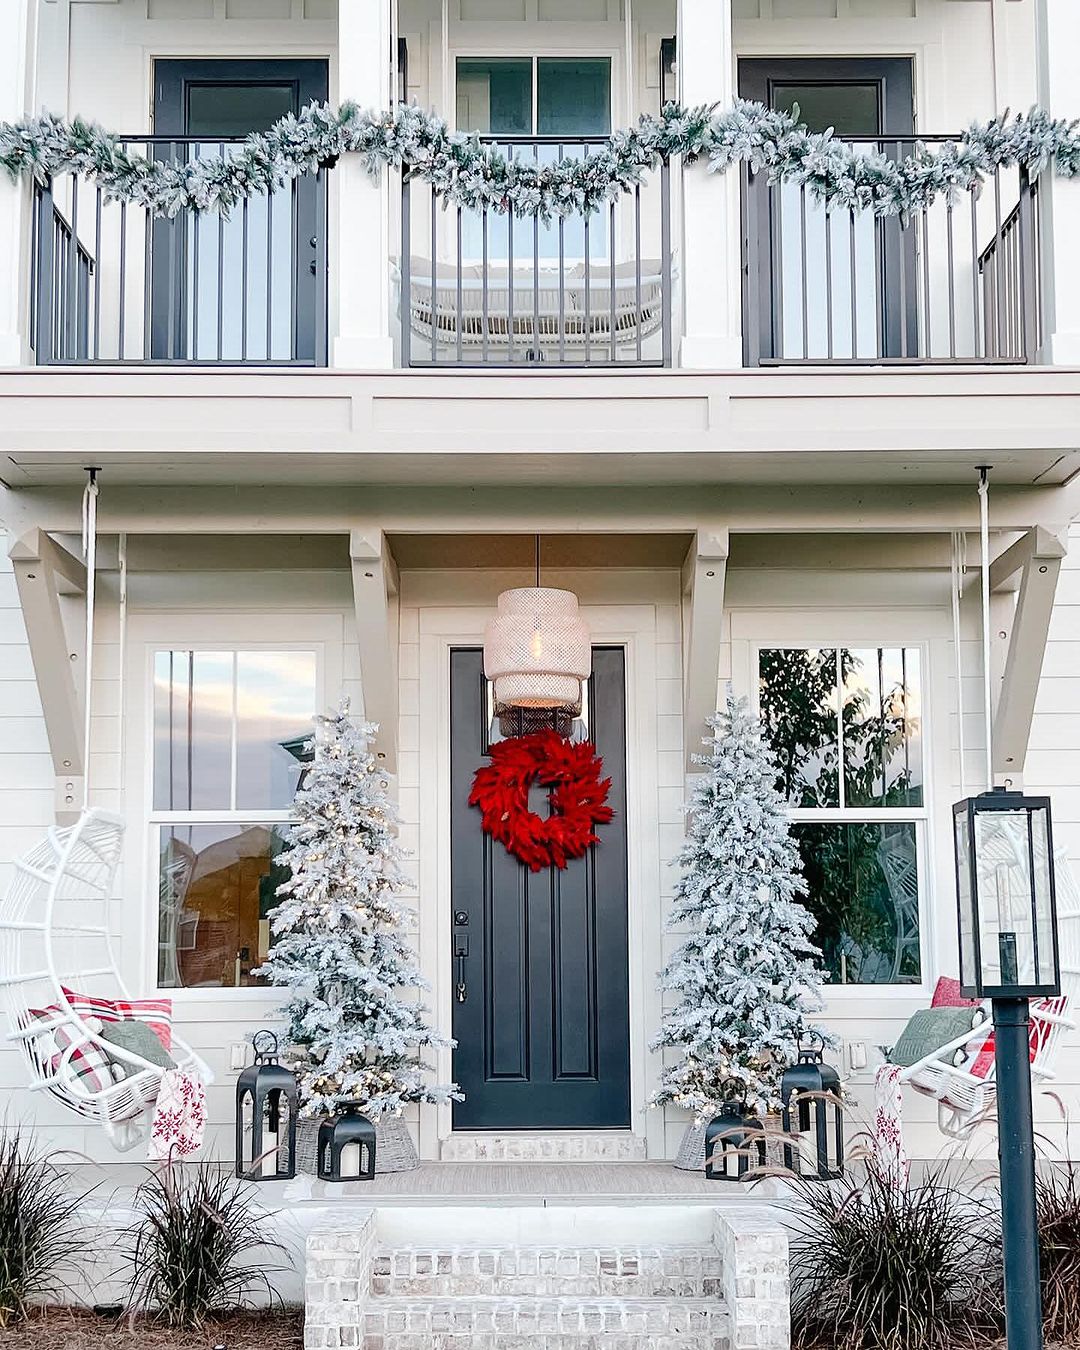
(1012,861)
(969,972)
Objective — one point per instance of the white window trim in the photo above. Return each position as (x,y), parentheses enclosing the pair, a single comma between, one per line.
(921,817)
(324,634)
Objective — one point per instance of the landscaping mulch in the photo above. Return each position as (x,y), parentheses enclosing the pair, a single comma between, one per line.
(75,1329)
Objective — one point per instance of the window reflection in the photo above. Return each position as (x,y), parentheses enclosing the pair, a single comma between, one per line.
(216,890)
(193,716)
(274,705)
(864,894)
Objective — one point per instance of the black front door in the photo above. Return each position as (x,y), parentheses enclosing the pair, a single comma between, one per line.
(840,286)
(543,1038)
(250,287)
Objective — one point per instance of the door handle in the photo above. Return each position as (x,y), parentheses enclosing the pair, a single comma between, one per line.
(461,951)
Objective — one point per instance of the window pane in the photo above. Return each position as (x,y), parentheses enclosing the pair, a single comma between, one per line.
(275,705)
(864,894)
(798,701)
(193,698)
(236,109)
(573,97)
(217,886)
(850,109)
(494,95)
(882,727)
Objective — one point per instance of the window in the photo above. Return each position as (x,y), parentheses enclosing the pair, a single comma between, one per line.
(535,96)
(229,733)
(845,724)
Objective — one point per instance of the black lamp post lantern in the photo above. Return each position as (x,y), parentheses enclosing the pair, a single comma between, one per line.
(268,1090)
(733,1135)
(336,1135)
(1009,954)
(811,1105)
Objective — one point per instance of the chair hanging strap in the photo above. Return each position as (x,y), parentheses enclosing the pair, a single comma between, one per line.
(89,549)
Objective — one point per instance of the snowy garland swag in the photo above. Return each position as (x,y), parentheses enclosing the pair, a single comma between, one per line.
(339,946)
(475,176)
(748,974)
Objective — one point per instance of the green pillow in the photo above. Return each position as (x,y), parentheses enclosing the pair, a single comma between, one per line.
(928,1030)
(140,1040)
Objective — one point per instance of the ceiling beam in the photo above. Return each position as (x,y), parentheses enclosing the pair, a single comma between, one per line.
(44,571)
(375,597)
(704,574)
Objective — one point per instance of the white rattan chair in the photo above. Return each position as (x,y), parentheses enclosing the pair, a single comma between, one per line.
(548,311)
(55,934)
(964,1098)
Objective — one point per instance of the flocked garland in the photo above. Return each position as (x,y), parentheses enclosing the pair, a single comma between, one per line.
(470,173)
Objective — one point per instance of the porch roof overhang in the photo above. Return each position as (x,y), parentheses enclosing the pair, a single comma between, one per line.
(883,426)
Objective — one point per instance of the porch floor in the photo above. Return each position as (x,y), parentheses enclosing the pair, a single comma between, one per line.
(533,1184)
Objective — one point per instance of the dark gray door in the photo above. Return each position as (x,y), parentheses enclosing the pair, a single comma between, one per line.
(250,288)
(543,1034)
(846,290)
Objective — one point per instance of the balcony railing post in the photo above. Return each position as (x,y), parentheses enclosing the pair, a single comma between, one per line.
(1029,297)
(45,276)
(665,261)
(405,299)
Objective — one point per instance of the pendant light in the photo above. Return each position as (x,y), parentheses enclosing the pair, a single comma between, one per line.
(537,653)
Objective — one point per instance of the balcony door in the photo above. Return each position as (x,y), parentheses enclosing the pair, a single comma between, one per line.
(829,286)
(250,287)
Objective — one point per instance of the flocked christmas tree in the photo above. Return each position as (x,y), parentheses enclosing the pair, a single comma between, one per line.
(748,974)
(339,937)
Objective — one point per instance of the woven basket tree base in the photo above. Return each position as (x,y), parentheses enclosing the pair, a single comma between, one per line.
(394,1148)
(691,1154)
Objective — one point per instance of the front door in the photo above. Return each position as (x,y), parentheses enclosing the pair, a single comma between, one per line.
(836,285)
(543,1038)
(252,286)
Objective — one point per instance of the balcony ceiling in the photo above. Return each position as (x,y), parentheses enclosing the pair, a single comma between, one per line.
(594,429)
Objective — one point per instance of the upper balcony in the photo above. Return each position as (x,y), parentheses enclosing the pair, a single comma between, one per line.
(684,268)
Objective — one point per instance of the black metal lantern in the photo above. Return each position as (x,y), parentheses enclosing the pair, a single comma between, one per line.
(267,1090)
(811,1105)
(735,1134)
(349,1130)
(1005,895)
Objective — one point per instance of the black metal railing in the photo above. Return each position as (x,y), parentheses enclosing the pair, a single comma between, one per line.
(956,282)
(111,283)
(486,288)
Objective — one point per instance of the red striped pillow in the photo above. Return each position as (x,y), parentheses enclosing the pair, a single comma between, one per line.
(1038,1034)
(155,1012)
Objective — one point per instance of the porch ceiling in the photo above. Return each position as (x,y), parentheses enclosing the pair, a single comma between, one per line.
(400,428)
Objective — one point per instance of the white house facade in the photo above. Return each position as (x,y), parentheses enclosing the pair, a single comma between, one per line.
(332,427)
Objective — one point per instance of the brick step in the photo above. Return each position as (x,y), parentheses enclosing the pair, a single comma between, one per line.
(668,1270)
(489,1322)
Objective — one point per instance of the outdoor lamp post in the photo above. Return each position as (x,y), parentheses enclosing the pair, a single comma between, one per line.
(1009,954)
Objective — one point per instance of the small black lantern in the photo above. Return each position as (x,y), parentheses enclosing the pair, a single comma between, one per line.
(268,1090)
(735,1133)
(811,1105)
(337,1134)
(1005,895)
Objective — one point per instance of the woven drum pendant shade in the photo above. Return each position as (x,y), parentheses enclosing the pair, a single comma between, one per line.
(537,650)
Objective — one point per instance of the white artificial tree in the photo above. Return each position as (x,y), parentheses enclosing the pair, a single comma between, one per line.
(747,973)
(355,1032)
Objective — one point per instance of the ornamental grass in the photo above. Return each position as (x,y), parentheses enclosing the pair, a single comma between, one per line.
(191,1249)
(875,1267)
(39,1243)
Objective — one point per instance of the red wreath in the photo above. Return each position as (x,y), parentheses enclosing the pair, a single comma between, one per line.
(577,794)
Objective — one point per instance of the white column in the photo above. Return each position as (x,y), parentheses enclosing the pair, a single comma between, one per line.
(711,247)
(360,242)
(17,29)
(1057,36)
